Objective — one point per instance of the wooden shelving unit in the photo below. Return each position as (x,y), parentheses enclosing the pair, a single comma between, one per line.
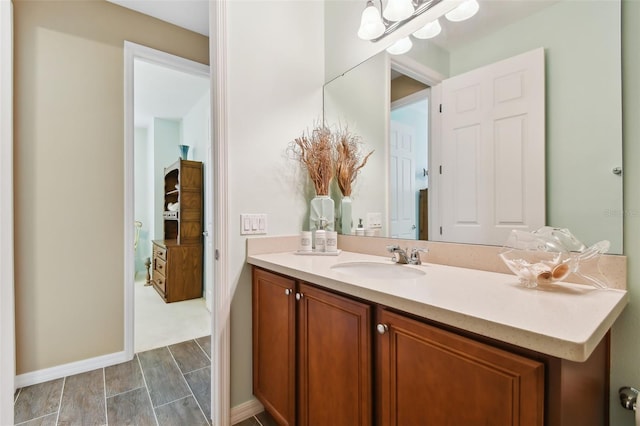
(177,259)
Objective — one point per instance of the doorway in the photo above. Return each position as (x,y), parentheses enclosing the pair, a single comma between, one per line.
(167,108)
(409,158)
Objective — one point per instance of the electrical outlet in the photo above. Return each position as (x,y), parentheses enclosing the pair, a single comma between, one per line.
(374,220)
(253,223)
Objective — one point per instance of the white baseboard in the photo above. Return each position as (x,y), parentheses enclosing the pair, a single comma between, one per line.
(64,370)
(245,410)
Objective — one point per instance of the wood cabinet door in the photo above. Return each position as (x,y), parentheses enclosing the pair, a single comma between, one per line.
(274,341)
(428,376)
(334,359)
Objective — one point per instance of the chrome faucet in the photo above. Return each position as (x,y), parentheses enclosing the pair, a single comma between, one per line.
(401,256)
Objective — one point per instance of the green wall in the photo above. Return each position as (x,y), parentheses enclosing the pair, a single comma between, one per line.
(625,343)
(583,109)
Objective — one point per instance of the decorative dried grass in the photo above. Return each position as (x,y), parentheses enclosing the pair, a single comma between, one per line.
(349,159)
(314,151)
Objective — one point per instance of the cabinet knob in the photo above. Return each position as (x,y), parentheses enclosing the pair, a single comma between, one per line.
(299,296)
(382,328)
(288,291)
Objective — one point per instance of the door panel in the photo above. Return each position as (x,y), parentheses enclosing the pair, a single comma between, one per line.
(493,151)
(402,185)
(428,376)
(274,342)
(334,359)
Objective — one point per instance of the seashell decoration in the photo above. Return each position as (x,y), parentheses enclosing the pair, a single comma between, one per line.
(549,255)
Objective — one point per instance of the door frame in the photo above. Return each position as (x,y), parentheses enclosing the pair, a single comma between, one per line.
(223,292)
(133,51)
(422,73)
(422,95)
(7,303)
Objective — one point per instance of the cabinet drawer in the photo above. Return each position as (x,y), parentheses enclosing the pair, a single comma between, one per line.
(160,252)
(160,267)
(160,283)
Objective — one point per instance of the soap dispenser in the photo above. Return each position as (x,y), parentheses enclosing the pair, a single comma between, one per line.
(360,228)
(321,236)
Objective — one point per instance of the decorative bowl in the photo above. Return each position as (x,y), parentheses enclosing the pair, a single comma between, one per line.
(549,255)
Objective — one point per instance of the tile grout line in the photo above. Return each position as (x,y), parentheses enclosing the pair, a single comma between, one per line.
(122,393)
(104,392)
(202,349)
(35,418)
(197,369)
(144,379)
(187,383)
(64,382)
(175,400)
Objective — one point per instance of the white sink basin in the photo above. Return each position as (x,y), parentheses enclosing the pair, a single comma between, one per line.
(376,270)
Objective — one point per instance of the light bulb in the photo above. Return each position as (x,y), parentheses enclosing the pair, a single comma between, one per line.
(371,25)
(398,10)
(400,47)
(465,10)
(430,30)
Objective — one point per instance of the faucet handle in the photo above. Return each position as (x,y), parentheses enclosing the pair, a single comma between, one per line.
(415,255)
(393,248)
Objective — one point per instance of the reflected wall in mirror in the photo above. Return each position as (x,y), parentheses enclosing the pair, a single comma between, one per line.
(583,129)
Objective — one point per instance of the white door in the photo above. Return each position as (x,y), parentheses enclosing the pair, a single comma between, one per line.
(402,196)
(493,139)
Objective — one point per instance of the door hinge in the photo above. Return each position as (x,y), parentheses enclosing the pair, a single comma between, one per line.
(217,254)
(440,169)
(440,107)
(441,230)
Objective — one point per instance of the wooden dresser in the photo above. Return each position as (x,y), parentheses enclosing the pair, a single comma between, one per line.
(177,259)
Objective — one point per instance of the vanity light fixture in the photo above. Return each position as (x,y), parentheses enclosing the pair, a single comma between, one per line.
(401,46)
(398,10)
(430,30)
(395,14)
(371,25)
(464,11)
(374,27)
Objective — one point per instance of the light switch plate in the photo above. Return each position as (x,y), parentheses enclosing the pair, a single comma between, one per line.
(253,223)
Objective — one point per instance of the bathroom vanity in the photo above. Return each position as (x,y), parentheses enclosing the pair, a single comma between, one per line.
(447,346)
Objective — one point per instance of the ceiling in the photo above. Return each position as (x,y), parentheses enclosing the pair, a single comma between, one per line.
(155,84)
(190,14)
(194,15)
(164,93)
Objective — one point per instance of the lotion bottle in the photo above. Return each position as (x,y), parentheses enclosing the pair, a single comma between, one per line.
(321,237)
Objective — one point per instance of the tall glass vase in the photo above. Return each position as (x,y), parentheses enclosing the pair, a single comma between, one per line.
(322,213)
(184,151)
(346,217)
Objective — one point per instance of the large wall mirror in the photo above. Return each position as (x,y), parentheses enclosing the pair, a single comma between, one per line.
(581,129)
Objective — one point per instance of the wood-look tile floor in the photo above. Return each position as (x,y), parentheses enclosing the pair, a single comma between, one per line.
(165,386)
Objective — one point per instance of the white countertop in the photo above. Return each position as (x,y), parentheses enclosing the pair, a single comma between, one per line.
(563,320)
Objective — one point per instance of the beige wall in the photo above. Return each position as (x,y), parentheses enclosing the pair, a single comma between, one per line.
(69,173)
(404,86)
